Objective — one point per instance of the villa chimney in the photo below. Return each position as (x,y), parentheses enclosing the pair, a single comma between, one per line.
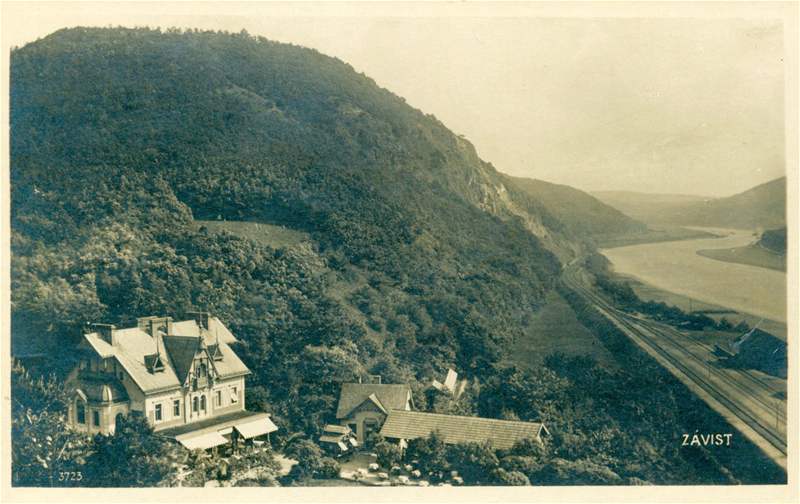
(159,324)
(202,319)
(106,332)
(144,323)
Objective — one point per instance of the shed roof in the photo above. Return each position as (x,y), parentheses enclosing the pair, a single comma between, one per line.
(385,396)
(459,429)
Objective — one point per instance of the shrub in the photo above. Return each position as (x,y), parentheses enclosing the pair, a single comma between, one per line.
(510,478)
(389,454)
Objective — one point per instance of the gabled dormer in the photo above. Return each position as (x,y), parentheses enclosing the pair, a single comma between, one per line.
(193,364)
(154,363)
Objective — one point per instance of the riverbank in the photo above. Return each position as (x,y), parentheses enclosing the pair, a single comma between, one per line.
(753,255)
(655,234)
(648,292)
(677,268)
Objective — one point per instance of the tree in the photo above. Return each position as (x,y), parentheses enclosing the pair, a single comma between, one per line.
(133,456)
(430,455)
(509,478)
(389,454)
(311,462)
(43,448)
(474,462)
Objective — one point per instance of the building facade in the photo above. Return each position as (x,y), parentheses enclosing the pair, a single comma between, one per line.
(179,375)
(363,407)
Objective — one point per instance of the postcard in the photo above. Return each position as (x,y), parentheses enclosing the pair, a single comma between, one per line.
(481,252)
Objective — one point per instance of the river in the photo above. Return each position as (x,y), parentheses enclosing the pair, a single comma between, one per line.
(676,267)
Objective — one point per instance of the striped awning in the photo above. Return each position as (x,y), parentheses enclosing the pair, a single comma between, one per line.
(203,441)
(255,428)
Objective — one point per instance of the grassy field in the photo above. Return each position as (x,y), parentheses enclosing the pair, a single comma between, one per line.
(649,293)
(752,255)
(654,233)
(265,234)
(555,328)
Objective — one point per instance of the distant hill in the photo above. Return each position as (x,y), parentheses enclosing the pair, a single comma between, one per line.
(646,207)
(762,207)
(580,212)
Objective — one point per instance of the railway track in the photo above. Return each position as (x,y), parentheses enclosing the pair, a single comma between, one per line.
(654,337)
(754,386)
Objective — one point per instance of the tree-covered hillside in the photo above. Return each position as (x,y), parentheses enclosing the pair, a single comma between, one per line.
(121,137)
(580,212)
(420,257)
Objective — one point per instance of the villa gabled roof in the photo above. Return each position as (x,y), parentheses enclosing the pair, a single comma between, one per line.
(182,351)
(385,396)
(134,349)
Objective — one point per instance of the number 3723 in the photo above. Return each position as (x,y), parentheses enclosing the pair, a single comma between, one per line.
(70,476)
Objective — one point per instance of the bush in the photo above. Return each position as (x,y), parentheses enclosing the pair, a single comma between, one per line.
(328,469)
(389,454)
(510,478)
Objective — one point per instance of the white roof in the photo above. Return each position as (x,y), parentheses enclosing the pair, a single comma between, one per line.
(133,344)
(256,428)
(203,441)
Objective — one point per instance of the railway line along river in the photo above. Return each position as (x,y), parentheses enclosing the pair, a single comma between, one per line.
(677,267)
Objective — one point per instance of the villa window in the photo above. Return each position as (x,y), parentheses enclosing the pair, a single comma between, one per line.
(195,404)
(176,407)
(203,402)
(158,412)
(234,395)
(81,413)
(96,417)
(218,397)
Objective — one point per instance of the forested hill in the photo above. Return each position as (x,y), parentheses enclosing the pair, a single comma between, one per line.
(580,212)
(420,257)
(761,207)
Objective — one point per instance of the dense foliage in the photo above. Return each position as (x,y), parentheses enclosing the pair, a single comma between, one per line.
(580,212)
(120,138)
(774,240)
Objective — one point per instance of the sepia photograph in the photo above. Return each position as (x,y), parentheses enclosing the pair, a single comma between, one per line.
(417,251)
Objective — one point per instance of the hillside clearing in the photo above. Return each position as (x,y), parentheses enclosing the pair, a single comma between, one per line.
(265,234)
(555,328)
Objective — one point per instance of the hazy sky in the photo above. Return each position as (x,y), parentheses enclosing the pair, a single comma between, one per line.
(690,106)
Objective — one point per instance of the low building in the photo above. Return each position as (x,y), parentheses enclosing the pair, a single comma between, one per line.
(363,407)
(338,439)
(182,376)
(503,434)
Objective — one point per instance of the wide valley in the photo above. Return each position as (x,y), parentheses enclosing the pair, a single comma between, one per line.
(677,267)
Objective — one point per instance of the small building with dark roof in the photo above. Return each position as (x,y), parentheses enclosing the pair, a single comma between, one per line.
(363,407)
(182,376)
(453,429)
